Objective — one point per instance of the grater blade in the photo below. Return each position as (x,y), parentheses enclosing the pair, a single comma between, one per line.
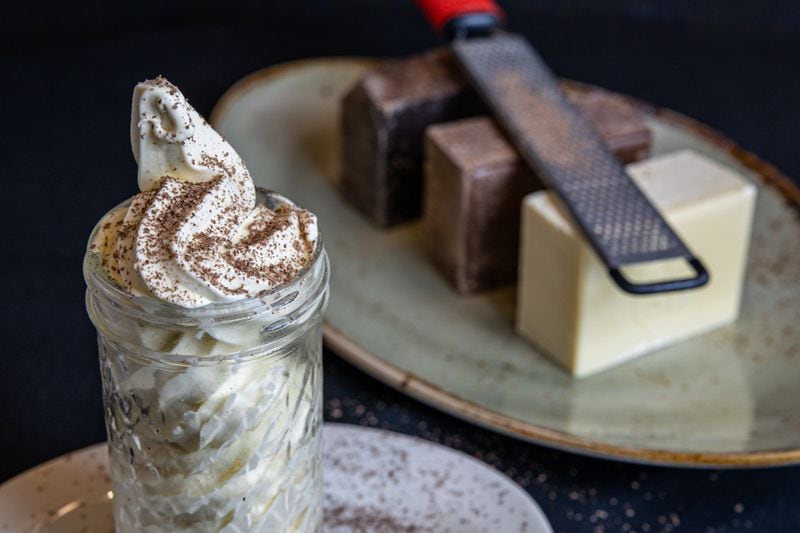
(561,146)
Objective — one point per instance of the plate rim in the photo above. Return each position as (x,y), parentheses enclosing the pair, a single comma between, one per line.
(453,404)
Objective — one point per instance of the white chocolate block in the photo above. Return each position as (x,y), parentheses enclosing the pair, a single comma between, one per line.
(568,305)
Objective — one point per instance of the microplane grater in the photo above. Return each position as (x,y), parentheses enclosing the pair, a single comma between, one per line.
(560,145)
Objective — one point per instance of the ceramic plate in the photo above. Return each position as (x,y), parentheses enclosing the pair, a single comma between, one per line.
(375,481)
(728,398)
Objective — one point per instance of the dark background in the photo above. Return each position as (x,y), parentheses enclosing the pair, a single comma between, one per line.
(67,74)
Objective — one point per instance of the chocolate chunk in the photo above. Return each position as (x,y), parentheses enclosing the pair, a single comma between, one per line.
(473,189)
(383,124)
(475,182)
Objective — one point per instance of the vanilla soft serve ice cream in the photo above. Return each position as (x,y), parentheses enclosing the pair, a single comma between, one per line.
(208,305)
(194,235)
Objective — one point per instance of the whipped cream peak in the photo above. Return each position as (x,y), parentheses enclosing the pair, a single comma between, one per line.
(169,137)
(195,235)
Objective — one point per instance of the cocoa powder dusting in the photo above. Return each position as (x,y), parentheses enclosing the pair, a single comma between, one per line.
(197,239)
(365,521)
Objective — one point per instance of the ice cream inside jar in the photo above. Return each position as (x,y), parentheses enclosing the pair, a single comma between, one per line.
(208,296)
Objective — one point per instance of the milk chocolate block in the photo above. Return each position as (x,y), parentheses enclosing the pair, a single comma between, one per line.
(475,182)
(383,125)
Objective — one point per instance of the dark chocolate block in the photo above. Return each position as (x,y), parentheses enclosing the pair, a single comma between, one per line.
(383,127)
(475,182)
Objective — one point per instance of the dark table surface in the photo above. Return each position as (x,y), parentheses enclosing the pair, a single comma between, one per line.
(65,100)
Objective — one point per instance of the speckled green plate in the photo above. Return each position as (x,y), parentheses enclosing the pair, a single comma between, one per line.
(728,398)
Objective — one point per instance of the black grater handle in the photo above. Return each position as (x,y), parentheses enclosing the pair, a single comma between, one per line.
(700,278)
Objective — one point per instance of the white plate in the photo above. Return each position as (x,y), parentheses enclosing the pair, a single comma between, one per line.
(375,481)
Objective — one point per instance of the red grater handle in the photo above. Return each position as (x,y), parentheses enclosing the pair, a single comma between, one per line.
(444,14)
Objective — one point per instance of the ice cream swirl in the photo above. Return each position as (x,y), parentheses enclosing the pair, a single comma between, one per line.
(194,235)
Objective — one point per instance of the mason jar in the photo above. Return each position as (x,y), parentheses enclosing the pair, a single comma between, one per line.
(213,414)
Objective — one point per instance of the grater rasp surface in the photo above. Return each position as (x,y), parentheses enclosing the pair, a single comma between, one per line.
(560,145)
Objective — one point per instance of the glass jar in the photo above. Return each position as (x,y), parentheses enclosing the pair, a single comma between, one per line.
(213,414)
